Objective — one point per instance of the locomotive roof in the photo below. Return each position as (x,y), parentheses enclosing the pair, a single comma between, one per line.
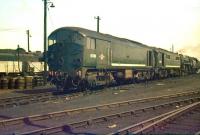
(108,37)
(163,50)
(91,33)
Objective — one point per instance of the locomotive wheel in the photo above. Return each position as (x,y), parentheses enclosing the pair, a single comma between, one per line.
(92,84)
(75,83)
(83,85)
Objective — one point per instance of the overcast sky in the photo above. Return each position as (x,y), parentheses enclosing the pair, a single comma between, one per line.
(159,23)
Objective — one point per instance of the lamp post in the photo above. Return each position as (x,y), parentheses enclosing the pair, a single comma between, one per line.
(45,38)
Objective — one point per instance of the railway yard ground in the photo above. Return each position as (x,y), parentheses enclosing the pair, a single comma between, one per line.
(162,106)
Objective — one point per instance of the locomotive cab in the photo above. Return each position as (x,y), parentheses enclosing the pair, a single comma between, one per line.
(78,55)
(65,52)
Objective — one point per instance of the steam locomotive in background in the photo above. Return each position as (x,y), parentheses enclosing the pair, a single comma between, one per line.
(20,62)
(86,59)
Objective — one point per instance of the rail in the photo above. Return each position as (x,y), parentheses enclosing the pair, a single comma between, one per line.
(42,97)
(88,122)
(78,110)
(150,124)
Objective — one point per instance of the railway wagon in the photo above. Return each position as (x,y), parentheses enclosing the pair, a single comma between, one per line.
(88,58)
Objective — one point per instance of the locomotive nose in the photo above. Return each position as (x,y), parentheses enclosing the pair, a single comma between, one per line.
(58,63)
(61,61)
(55,59)
(66,57)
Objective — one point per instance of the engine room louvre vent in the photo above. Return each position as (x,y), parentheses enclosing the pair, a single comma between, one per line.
(177,58)
(168,56)
(91,44)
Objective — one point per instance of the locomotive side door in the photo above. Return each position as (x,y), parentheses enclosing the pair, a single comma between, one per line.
(159,59)
(103,52)
(149,58)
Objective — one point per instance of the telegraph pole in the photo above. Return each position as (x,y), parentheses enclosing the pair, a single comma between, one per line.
(98,18)
(28,36)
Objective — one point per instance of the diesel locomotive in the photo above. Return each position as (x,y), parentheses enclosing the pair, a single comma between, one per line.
(87,58)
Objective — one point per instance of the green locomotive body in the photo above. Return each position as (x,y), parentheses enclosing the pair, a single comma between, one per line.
(90,58)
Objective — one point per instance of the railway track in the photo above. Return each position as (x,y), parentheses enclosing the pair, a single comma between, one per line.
(186,122)
(40,97)
(49,96)
(40,119)
(96,124)
(24,100)
(181,121)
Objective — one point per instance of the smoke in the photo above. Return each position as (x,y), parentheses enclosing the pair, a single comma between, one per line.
(193,51)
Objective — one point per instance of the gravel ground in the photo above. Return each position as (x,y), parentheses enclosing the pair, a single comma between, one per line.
(155,88)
